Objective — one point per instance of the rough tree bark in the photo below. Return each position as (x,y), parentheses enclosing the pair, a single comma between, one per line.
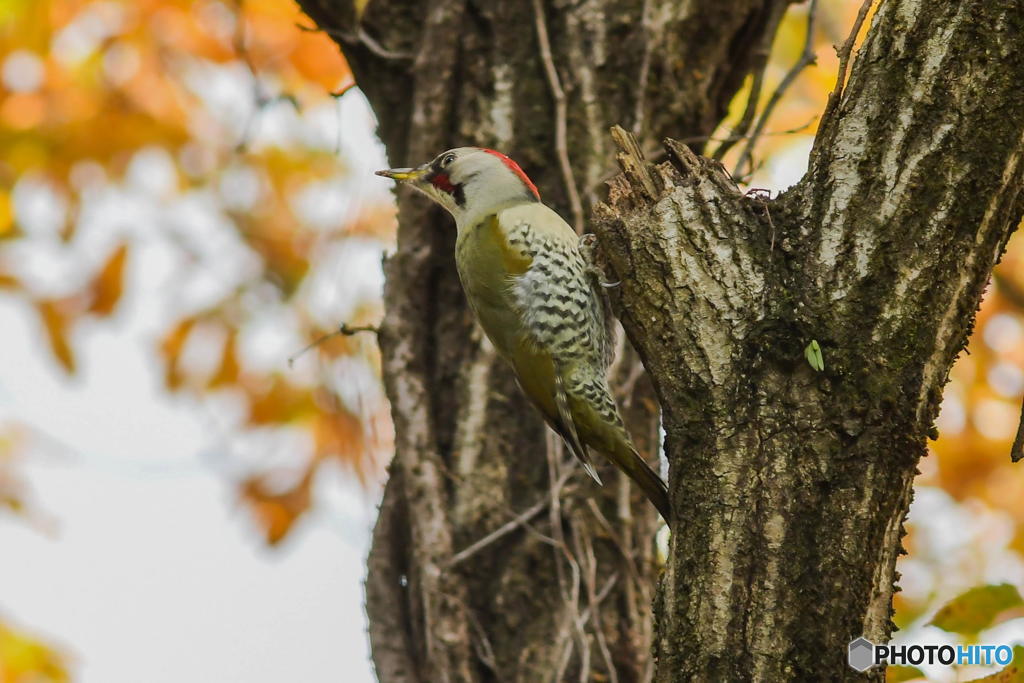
(789,486)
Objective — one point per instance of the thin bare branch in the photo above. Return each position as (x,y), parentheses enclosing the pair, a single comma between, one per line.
(343,330)
(561,145)
(844,53)
(585,549)
(746,120)
(659,154)
(639,111)
(807,57)
(361,37)
(518,521)
(760,55)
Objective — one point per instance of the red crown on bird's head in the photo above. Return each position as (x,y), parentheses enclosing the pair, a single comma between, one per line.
(514,167)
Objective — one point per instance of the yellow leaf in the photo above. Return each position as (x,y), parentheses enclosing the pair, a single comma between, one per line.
(227,373)
(279,402)
(108,285)
(23,658)
(170,349)
(57,323)
(276,513)
(6,213)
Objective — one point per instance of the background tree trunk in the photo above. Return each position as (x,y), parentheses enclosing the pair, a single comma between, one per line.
(789,486)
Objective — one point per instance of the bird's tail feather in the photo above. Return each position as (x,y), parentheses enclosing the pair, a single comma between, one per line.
(647,479)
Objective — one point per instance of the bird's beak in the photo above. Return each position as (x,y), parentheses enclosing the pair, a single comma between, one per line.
(404,175)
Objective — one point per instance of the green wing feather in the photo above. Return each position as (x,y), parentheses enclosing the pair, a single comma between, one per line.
(532,294)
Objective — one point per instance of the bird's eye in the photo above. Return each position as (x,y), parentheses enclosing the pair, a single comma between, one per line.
(447,160)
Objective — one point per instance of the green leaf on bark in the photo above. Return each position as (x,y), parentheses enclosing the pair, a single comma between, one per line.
(813,355)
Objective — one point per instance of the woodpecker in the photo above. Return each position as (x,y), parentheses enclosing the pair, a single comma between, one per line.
(535,295)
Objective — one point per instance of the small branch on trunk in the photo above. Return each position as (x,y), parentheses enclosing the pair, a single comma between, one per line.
(344,330)
(633,164)
(561,144)
(844,61)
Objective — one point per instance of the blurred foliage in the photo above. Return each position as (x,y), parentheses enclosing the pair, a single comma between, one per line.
(25,659)
(1013,673)
(194,103)
(977,609)
(899,674)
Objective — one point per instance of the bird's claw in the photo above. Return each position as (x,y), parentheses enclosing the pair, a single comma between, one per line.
(588,249)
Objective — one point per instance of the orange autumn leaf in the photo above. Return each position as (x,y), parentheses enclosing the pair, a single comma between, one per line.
(170,349)
(279,402)
(57,322)
(338,435)
(276,513)
(24,658)
(108,285)
(228,371)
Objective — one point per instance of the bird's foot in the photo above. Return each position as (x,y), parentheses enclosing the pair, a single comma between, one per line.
(588,249)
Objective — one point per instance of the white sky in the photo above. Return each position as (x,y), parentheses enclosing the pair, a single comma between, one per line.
(153,566)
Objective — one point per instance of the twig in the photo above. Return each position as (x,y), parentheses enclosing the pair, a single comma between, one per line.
(520,520)
(602,594)
(707,138)
(361,37)
(561,146)
(656,156)
(616,540)
(569,587)
(762,52)
(587,552)
(807,57)
(746,119)
(844,61)
(1017,450)
(344,329)
(482,644)
(645,69)
(260,99)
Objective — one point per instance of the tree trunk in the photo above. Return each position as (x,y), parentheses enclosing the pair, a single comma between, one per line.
(789,486)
